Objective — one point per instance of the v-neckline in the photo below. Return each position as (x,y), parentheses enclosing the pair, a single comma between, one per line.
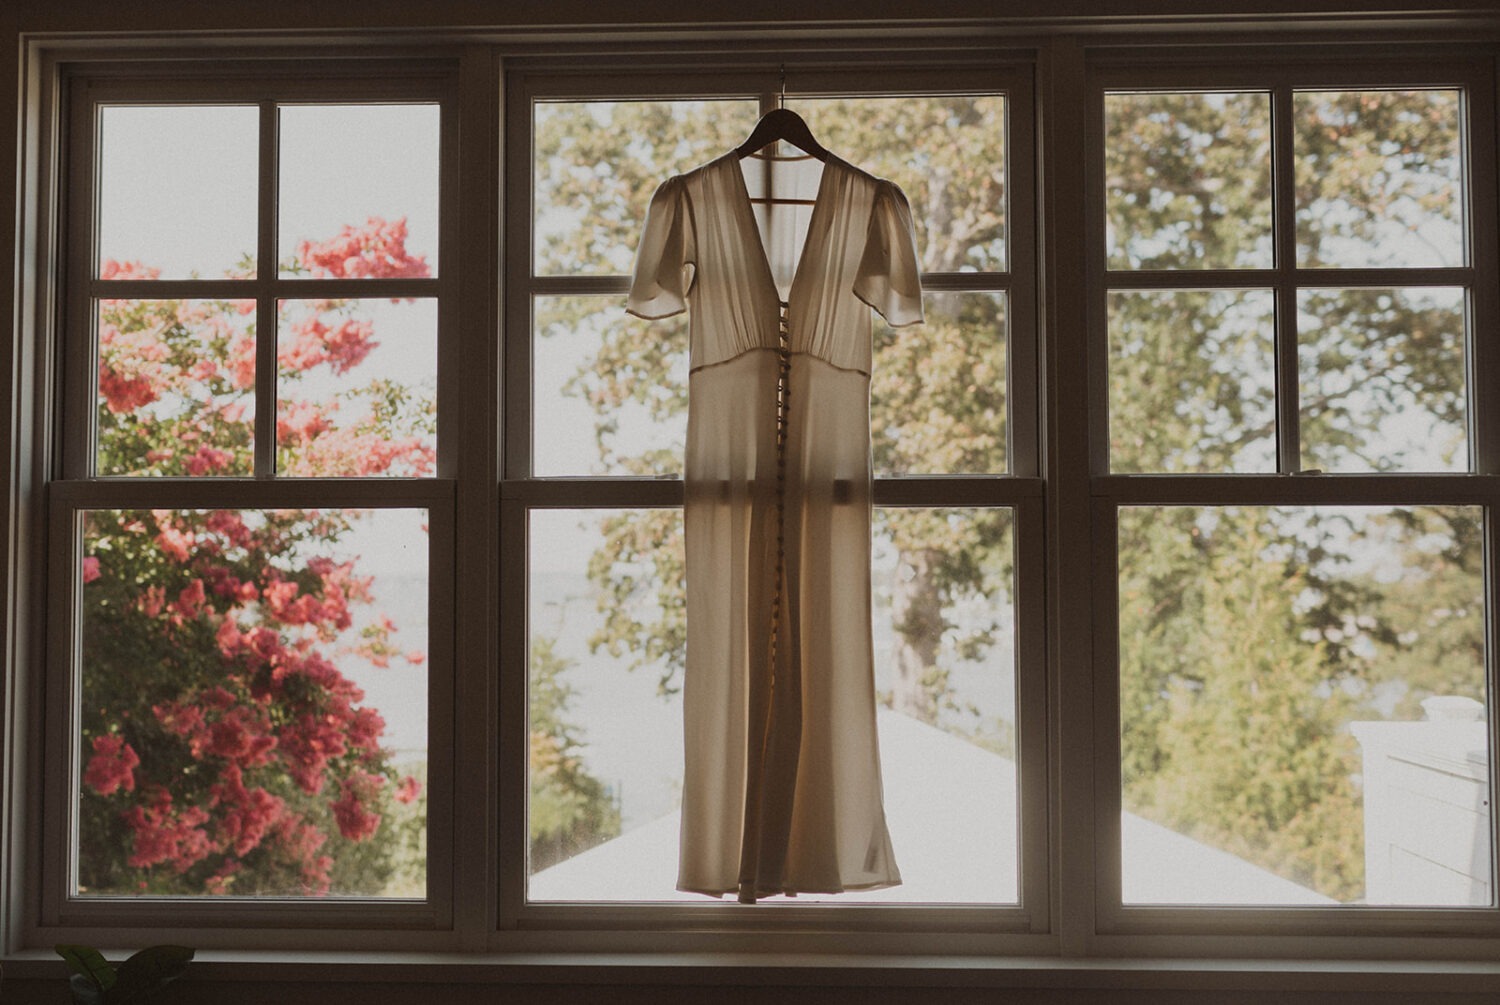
(747,208)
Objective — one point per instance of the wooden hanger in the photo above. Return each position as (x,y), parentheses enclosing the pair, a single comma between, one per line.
(781,123)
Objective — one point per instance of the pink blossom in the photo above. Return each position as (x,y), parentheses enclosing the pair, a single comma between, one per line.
(228,636)
(152,600)
(175,543)
(111,269)
(207,460)
(125,394)
(247,813)
(189,601)
(242,362)
(112,767)
(357,822)
(91,568)
(378,249)
(408,791)
(162,834)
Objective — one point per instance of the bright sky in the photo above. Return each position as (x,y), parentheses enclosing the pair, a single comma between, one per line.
(178,191)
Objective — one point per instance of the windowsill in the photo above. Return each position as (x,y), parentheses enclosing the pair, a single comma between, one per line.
(741,969)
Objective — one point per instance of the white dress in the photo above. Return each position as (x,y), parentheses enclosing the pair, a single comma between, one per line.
(781,789)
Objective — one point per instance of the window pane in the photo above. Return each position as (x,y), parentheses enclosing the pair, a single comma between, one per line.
(1187,180)
(607,638)
(176,387)
(610,391)
(938,391)
(253,703)
(1379,178)
(359,191)
(1192,381)
(357,388)
(1302,706)
(177,191)
(946,152)
(1382,379)
(596,164)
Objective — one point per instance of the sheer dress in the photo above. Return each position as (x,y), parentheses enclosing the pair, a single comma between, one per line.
(781,789)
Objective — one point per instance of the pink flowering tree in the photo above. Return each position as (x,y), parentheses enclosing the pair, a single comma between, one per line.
(224,750)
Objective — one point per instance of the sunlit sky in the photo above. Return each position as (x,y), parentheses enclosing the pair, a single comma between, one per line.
(178,191)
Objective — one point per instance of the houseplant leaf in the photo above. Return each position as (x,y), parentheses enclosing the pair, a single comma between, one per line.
(149,970)
(88,964)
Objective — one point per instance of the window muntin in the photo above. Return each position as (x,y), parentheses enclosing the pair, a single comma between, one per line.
(248,661)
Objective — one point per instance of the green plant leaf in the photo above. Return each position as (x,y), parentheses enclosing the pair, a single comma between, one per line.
(149,970)
(89,964)
(84,991)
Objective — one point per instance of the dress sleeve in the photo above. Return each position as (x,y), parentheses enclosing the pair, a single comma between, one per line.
(660,284)
(888,275)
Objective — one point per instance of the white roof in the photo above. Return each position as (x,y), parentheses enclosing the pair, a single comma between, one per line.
(950,807)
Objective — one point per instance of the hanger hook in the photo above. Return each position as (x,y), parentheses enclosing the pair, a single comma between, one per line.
(781,98)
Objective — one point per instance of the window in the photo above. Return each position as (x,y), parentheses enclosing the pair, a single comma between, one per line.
(1285,317)
(349,579)
(594,476)
(248,518)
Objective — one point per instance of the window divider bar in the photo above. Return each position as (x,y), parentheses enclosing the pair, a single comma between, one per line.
(246,493)
(265,300)
(288,288)
(1260,279)
(563,286)
(934,490)
(1284,209)
(1481,150)
(1298,489)
(966,282)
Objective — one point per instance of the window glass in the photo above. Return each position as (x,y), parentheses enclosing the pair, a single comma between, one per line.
(1187,180)
(596,164)
(1382,379)
(946,152)
(358,387)
(176,387)
(607,650)
(609,389)
(938,391)
(1192,381)
(177,191)
(1379,178)
(252,703)
(1303,706)
(358,191)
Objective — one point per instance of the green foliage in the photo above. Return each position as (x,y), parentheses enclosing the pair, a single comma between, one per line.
(938,393)
(1249,638)
(94,982)
(570,810)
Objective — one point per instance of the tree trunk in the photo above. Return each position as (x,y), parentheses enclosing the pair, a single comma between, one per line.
(917,615)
